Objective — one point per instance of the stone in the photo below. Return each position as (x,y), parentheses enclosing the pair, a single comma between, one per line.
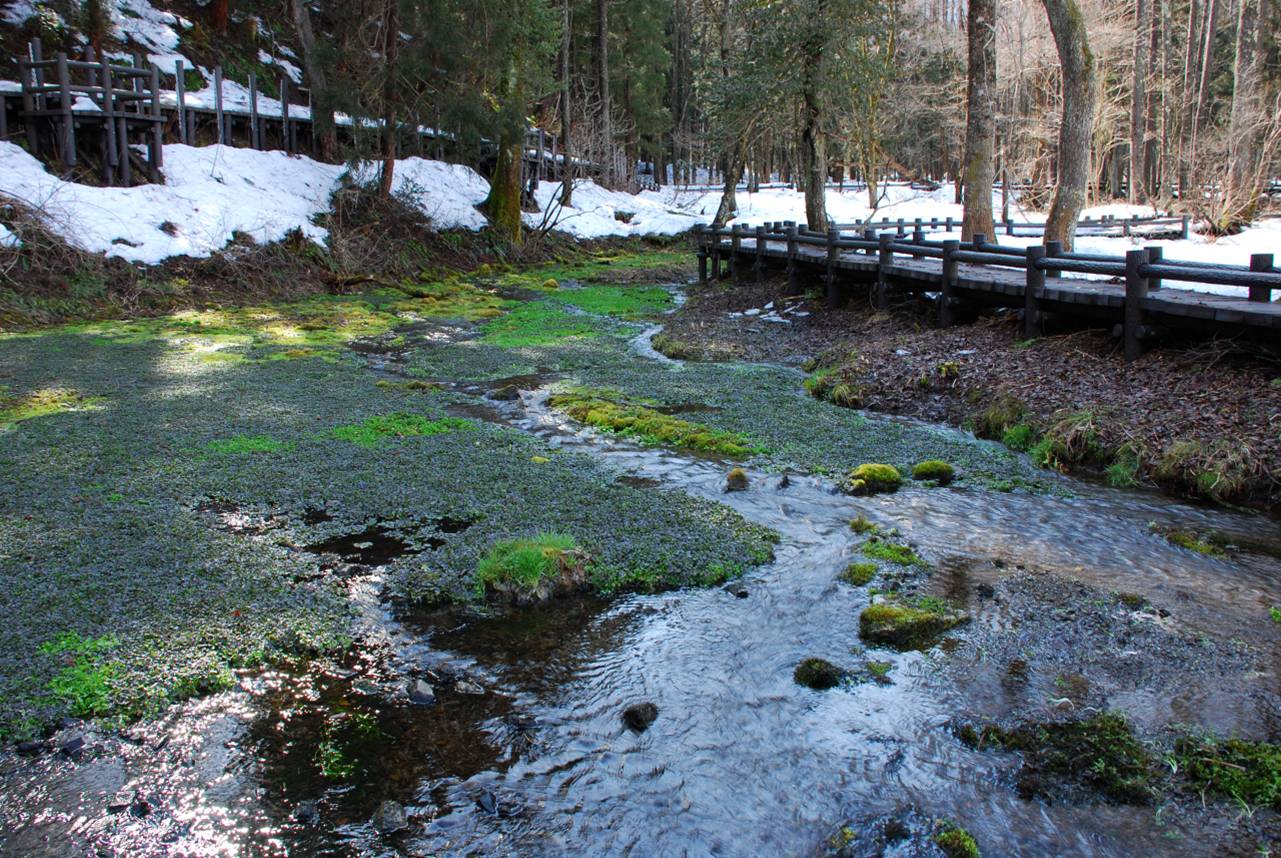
(307,813)
(465,686)
(818,674)
(421,693)
(736,480)
(639,716)
(389,818)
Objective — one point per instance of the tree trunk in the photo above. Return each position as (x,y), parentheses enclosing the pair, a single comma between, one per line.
(391,47)
(980,120)
(1191,74)
(322,111)
(1207,71)
(503,204)
(219,15)
(814,164)
(602,88)
(729,202)
(1138,105)
(1245,130)
(566,121)
(1077,124)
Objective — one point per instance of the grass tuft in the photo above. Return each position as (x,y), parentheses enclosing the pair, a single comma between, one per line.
(374,430)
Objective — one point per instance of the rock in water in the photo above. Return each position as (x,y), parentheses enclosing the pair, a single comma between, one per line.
(818,674)
(389,818)
(421,693)
(639,716)
(736,480)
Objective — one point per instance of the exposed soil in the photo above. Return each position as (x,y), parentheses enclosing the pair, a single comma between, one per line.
(1222,396)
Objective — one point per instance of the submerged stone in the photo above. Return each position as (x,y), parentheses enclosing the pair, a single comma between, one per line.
(389,818)
(639,716)
(421,693)
(818,674)
(908,626)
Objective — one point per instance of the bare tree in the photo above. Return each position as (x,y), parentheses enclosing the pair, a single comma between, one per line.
(1138,104)
(1078,82)
(1247,123)
(980,120)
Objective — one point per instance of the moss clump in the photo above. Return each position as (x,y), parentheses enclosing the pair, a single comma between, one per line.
(550,283)
(1246,772)
(736,480)
(818,674)
(1193,542)
(674,348)
(872,478)
(38,403)
(907,625)
(957,843)
(415,385)
(624,302)
(880,671)
(649,425)
(1099,752)
(1020,437)
(892,552)
(246,444)
(1219,472)
(1127,462)
(534,569)
(537,323)
(374,430)
(859,574)
(830,386)
(1073,439)
(862,526)
(934,469)
(998,416)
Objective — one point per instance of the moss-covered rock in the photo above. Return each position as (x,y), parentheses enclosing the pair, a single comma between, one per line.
(872,478)
(908,625)
(859,574)
(818,674)
(533,570)
(957,843)
(934,469)
(736,480)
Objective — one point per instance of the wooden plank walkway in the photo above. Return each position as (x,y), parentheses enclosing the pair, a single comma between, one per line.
(1134,297)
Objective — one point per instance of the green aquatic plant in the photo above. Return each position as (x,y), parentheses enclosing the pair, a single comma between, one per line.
(1275,613)
(956,842)
(934,469)
(537,323)
(1194,542)
(1247,772)
(859,574)
(246,444)
(1020,437)
(374,430)
(83,683)
(893,552)
(649,425)
(872,478)
(880,670)
(862,526)
(625,302)
(1127,462)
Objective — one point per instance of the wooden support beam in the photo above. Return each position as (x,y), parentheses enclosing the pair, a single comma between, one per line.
(884,259)
(700,238)
(829,276)
(110,157)
(1053,249)
(1260,262)
(254,142)
(1155,252)
(735,248)
(759,267)
(222,130)
(67,135)
(947,291)
(793,272)
(1032,291)
(1136,291)
(180,96)
(156,144)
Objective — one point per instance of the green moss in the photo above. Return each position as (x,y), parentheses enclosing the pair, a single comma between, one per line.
(537,323)
(892,552)
(957,843)
(934,469)
(862,526)
(859,574)
(1127,462)
(1101,753)
(1193,542)
(872,478)
(649,425)
(39,403)
(675,349)
(908,625)
(531,569)
(818,674)
(997,417)
(83,683)
(880,670)
(1220,471)
(1247,772)
(414,385)
(831,386)
(246,444)
(1275,613)
(626,302)
(736,480)
(374,430)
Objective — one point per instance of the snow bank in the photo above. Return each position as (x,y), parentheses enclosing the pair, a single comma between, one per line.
(212,192)
(599,212)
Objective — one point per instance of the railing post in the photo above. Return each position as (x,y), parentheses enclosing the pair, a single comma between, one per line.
(833,253)
(1053,249)
(156,151)
(1032,291)
(1136,290)
(1260,262)
(884,259)
(180,96)
(222,134)
(67,140)
(1009,227)
(29,106)
(701,242)
(1155,253)
(947,290)
(793,278)
(980,239)
(735,247)
(284,114)
(110,157)
(759,268)
(869,234)
(253,111)
(948,225)
(1184,228)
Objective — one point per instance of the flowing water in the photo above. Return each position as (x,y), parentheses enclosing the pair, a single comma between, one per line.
(740,760)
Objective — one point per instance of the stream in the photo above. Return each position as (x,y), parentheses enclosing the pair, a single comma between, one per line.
(740,761)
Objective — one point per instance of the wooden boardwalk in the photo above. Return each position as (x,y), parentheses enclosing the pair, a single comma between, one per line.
(1130,295)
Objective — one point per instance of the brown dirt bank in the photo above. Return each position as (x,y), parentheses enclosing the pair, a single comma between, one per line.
(1202,420)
